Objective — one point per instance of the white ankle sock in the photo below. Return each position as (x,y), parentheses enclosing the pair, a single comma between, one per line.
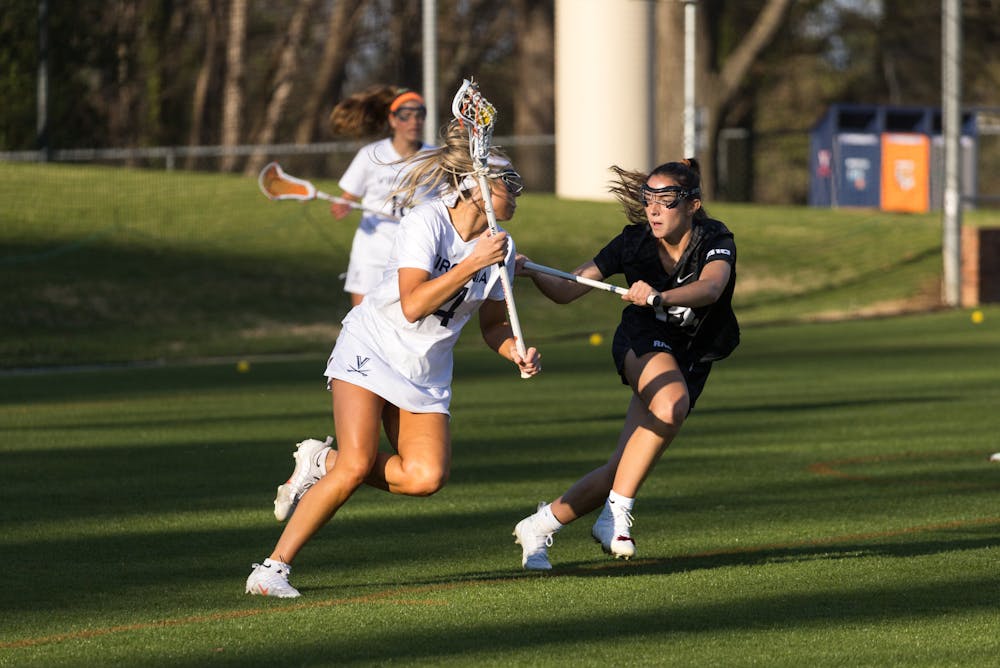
(616,500)
(547,522)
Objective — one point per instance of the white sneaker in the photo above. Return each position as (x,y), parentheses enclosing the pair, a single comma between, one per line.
(612,531)
(534,543)
(310,466)
(271,579)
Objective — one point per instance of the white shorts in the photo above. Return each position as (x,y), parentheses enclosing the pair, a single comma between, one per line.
(354,362)
(369,256)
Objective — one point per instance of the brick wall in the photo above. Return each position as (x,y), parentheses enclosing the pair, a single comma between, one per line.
(980,265)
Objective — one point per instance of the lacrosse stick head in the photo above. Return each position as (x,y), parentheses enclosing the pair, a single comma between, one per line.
(478,116)
(277,185)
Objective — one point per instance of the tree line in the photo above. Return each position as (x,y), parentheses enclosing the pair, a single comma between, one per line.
(138,73)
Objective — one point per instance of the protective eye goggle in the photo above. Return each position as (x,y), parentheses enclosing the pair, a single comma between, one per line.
(406,113)
(669,197)
(511,179)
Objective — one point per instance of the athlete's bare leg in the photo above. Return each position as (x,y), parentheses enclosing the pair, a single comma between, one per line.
(357,413)
(422,460)
(589,492)
(657,380)
(655,414)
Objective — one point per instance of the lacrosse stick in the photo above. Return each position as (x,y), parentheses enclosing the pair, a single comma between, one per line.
(478,116)
(653,300)
(277,185)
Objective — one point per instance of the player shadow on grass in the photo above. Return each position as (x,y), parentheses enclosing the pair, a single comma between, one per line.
(752,610)
(489,633)
(825,405)
(865,402)
(671,565)
(604,567)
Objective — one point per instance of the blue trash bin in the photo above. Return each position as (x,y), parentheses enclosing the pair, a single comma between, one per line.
(845,159)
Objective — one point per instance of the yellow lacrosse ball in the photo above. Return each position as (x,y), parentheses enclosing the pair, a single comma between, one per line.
(977,317)
(242,366)
(596,339)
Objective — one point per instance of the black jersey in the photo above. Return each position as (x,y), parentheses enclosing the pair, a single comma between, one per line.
(705,333)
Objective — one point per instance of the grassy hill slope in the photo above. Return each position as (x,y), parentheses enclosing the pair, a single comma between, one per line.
(103,264)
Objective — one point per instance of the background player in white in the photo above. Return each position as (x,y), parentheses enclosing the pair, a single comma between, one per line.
(372,176)
(392,364)
(674,249)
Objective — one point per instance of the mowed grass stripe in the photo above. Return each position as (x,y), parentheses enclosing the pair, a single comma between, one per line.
(404,595)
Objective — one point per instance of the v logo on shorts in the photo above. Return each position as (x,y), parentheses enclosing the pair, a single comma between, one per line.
(361,362)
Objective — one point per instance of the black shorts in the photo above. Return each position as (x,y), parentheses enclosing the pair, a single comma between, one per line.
(650,341)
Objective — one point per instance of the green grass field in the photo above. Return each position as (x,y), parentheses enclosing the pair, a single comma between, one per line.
(828,503)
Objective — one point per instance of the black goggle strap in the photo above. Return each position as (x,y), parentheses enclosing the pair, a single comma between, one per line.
(682,194)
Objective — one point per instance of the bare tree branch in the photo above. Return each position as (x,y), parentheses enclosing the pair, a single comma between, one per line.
(716,88)
(473,29)
(341,32)
(232,98)
(209,12)
(282,82)
(760,35)
(534,102)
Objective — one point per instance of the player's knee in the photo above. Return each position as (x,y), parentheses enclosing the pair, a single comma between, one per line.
(424,480)
(352,471)
(668,416)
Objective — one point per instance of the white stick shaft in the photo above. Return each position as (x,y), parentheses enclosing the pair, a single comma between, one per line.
(508,291)
(354,205)
(653,300)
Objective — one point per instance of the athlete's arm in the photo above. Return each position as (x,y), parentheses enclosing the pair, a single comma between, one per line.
(498,335)
(420,295)
(559,290)
(706,290)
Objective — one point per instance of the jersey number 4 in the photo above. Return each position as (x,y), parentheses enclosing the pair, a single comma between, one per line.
(447,310)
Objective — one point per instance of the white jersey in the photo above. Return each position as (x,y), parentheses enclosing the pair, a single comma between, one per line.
(372,176)
(422,351)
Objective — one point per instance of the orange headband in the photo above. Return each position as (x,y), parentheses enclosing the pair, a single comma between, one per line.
(403,98)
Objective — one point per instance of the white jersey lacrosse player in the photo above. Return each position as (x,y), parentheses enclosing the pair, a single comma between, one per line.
(410,363)
(373,176)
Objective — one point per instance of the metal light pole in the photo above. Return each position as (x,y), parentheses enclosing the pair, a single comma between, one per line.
(430,69)
(690,17)
(951,95)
